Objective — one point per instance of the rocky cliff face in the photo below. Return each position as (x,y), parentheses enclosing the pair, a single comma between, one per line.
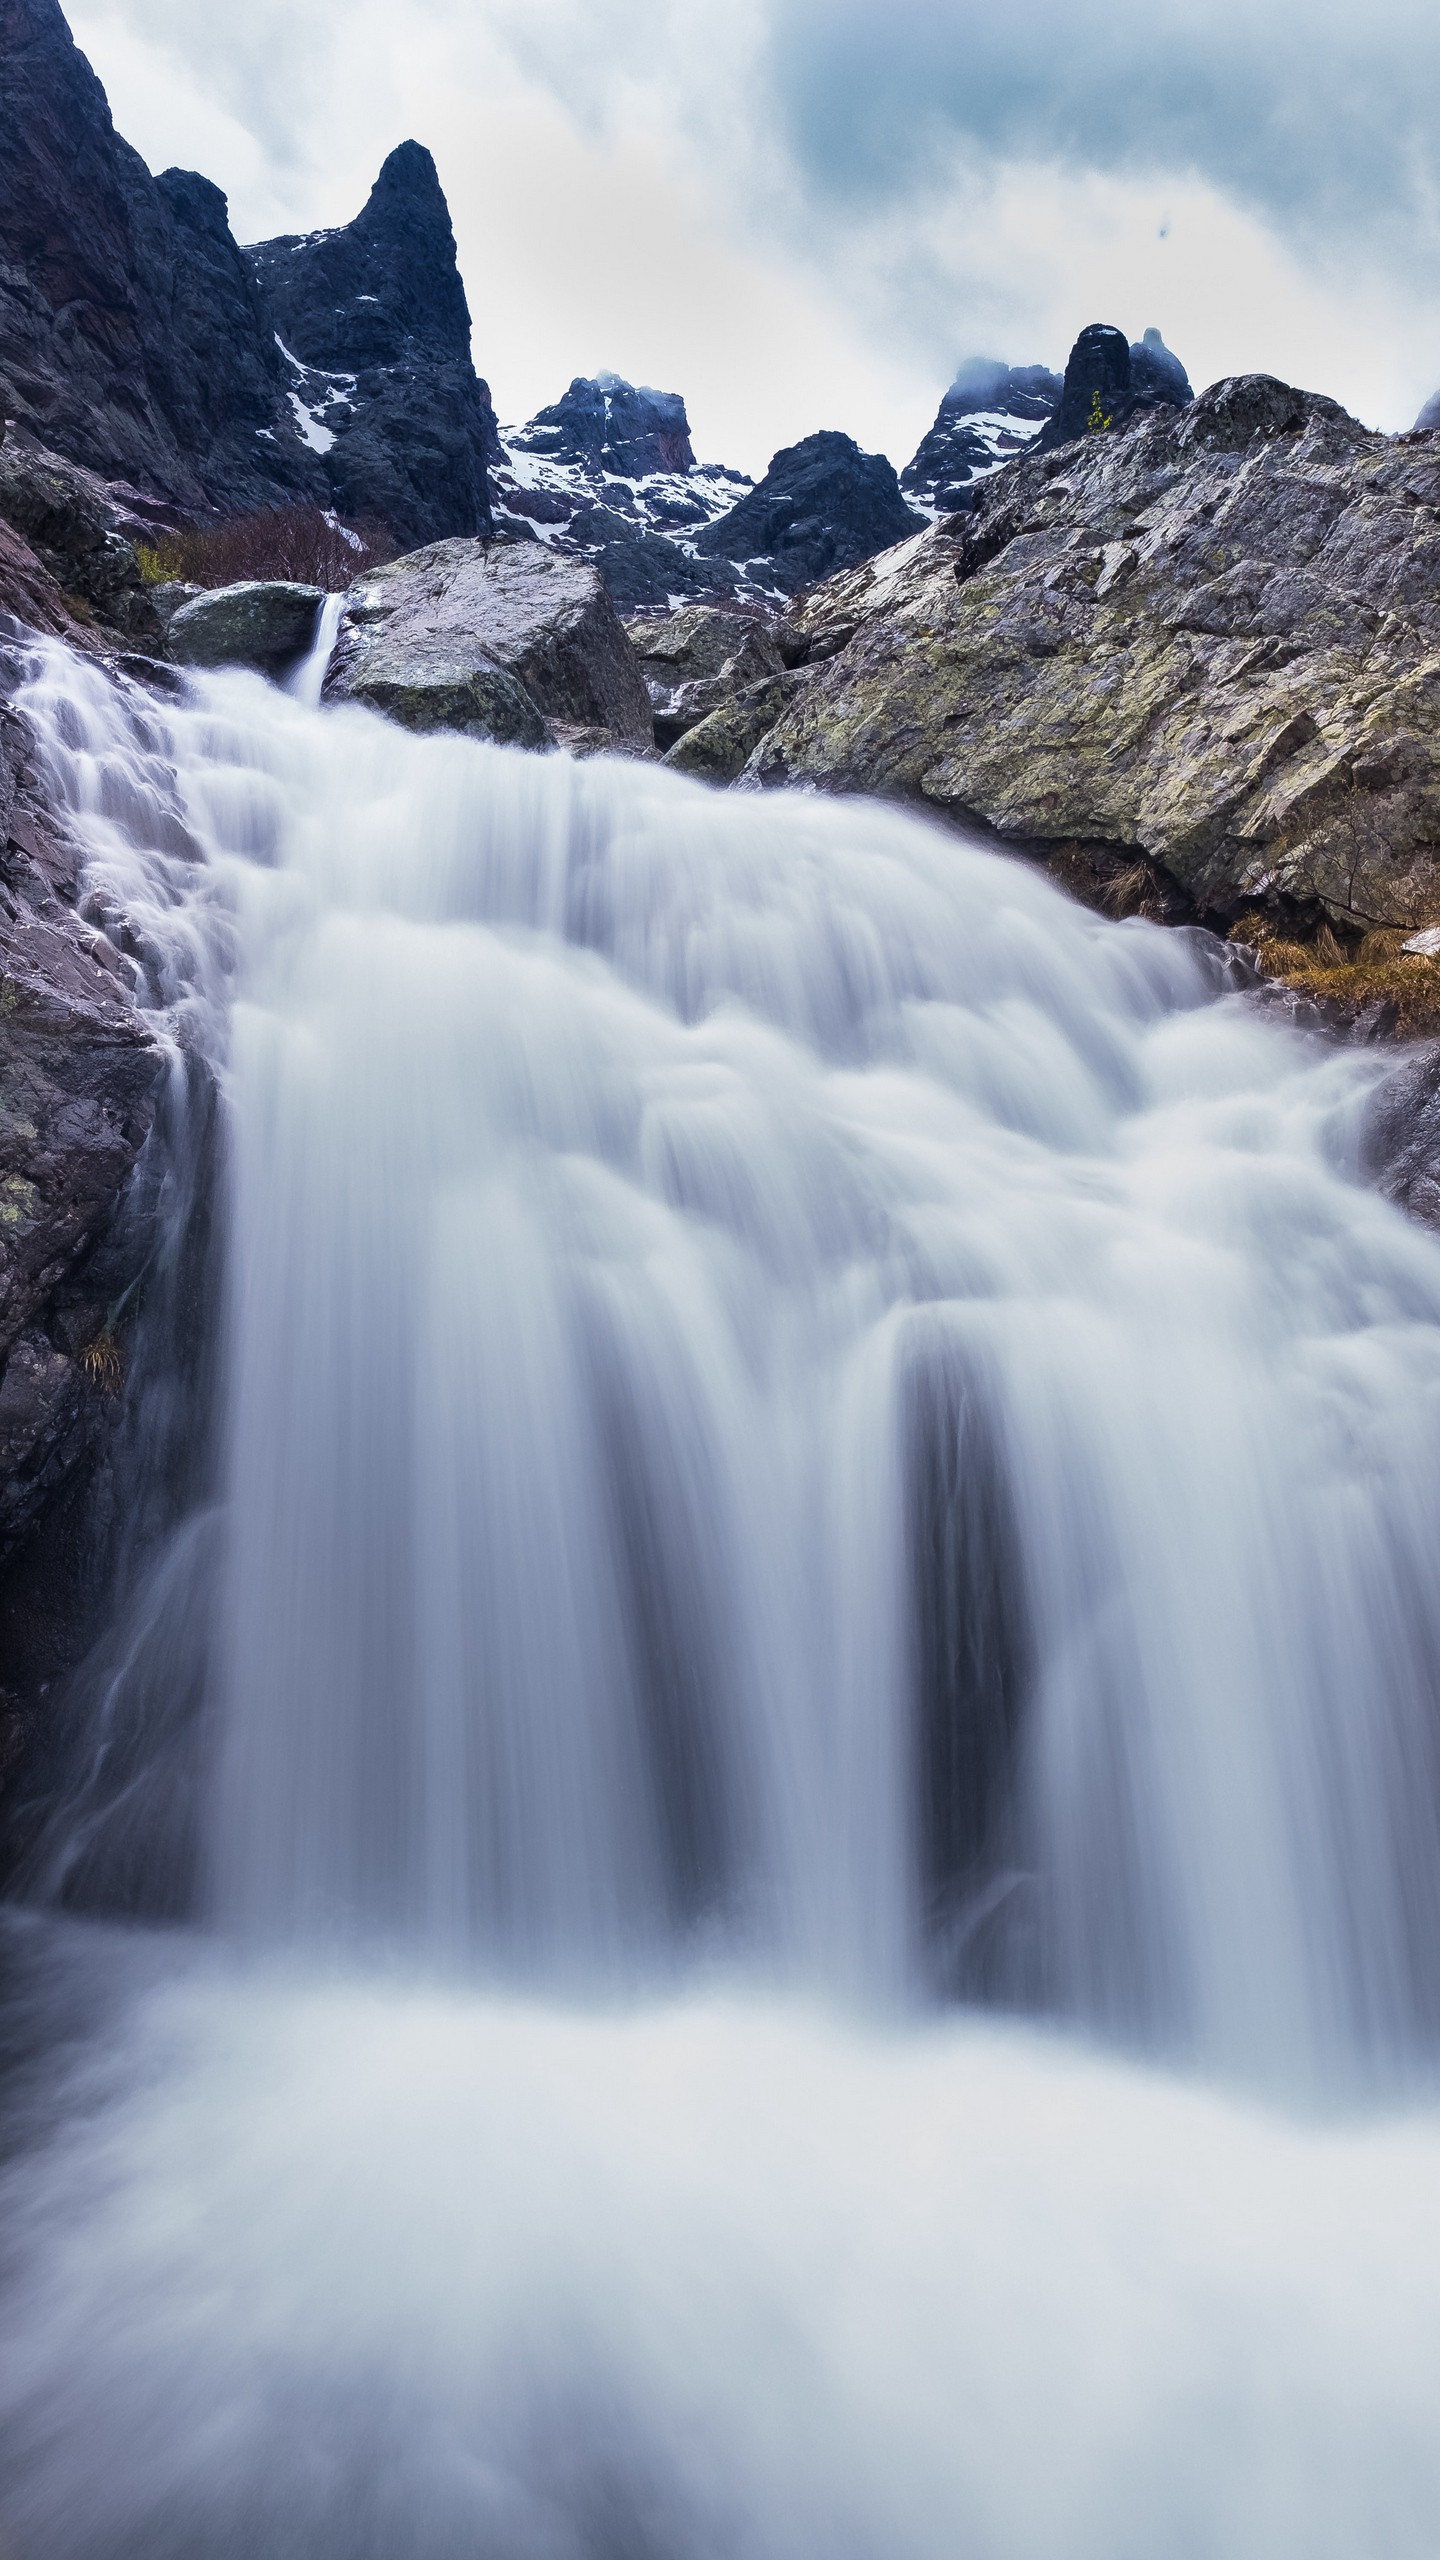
(373,331)
(131,335)
(138,340)
(1210,640)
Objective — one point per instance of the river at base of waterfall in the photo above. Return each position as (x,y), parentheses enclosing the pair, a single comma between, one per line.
(334,2269)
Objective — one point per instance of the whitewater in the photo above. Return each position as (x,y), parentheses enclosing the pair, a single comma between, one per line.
(763,1874)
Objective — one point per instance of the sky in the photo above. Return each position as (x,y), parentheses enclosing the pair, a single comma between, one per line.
(805,213)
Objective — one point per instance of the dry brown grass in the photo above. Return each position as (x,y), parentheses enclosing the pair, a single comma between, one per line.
(299,543)
(103,1362)
(1377,971)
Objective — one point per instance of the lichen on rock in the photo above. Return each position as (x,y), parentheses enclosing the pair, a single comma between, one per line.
(1210,641)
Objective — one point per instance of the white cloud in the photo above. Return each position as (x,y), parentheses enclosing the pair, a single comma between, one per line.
(802,214)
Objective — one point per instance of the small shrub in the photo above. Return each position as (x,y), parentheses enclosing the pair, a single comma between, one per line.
(1097,422)
(307,544)
(103,1362)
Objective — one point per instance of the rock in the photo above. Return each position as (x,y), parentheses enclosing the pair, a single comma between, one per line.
(1429,418)
(614,426)
(259,623)
(502,640)
(695,660)
(30,597)
(1107,381)
(990,412)
(1096,393)
(1210,641)
(375,337)
(132,339)
(78,1074)
(1156,374)
(611,469)
(717,747)
(822,506)
(138,340)
(1402,1135)
(85,531)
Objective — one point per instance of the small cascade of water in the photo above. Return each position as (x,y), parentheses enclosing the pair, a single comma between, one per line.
(805,1431)
(307,683)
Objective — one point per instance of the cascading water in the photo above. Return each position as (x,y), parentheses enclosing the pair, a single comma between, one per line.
(809,1434)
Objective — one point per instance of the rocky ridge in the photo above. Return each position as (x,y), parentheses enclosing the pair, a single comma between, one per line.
(1209,642)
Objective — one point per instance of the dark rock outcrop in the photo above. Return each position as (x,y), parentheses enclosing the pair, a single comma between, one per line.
(1107,381)
(84,530)
(823,505)
(132,339)
(1013,401)
(1210,642)
(1156,374)
(264,623)
(139,340)
(374,334)
(78,1081)
(614,426)
(500,640)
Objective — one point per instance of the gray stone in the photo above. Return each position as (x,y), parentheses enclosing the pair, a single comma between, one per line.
(1211,641)
(501,640)
(259,623)
(695,660)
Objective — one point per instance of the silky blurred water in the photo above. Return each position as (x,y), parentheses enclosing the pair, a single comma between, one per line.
(807,1432)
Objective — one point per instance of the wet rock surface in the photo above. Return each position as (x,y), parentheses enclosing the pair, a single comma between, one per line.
(500,640)
(1209,642)
(79,1075)
(261,623)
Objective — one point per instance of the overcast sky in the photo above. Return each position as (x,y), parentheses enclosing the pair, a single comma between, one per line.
(803,213)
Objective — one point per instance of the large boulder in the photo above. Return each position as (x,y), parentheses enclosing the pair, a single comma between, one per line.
(1211,641)
(261,622)
(822,505)
(501,640)
(698,658)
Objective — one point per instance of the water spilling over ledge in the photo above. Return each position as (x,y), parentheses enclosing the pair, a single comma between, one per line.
(805,1434)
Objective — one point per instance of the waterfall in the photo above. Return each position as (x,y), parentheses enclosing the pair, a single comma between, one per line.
(811,1440)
